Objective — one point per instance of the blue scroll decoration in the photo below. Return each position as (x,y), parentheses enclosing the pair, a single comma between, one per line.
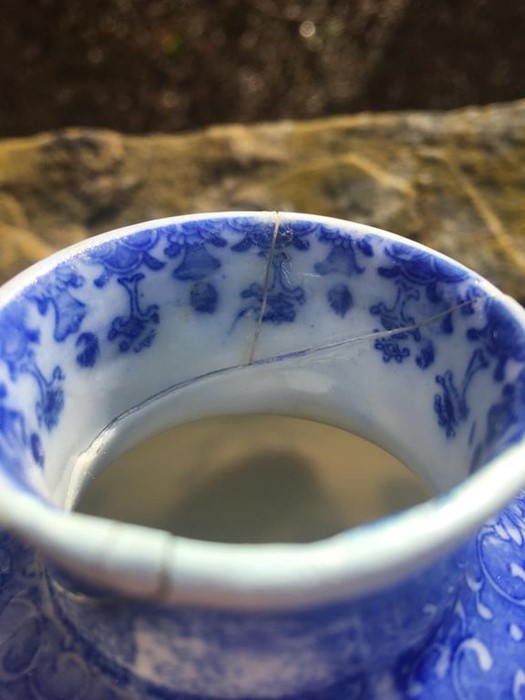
(451,405)
(54,291)
(15,440)
(192,244)
(423,270)
(396,346)
(419,276)
(498,342)
(346,253)
(88,348)
(17,342)
(277,300)
(505,422)
(346,257)
(340,299)
(501,336)
(204,297)
(126,255)
(136,328)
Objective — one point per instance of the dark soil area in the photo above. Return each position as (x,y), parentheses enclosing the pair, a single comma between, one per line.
(165,65)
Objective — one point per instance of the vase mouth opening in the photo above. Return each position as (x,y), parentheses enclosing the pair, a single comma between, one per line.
(250,478)
(163,323)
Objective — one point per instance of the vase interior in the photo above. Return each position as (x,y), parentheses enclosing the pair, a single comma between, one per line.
(172,321)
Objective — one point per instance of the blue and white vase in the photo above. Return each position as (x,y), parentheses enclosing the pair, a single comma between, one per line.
(137,330)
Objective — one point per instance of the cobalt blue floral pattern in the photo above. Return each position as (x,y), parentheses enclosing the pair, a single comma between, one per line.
(124,257)
(14,439)
(451,405)
(505,423)
(191,247)
(135,328)
(346,253)
(481,654)
(501,337)
(88,349)
(475,650)
(54,291)
(467,642)
(419,281)
(340,299)
(344,258)
(18,341)
(274,299)
(418,277)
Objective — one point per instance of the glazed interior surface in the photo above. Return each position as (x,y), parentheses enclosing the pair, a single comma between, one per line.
(252,479)
(316,318)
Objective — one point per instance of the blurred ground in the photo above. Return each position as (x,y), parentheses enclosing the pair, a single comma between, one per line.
(452,180)
(164,65)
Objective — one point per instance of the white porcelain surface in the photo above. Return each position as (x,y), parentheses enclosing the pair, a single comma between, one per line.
(166,322)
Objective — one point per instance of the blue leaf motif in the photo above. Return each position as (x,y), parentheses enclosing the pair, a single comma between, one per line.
(54,290)
(89,350)
(194,233)
(51,402)
(196,264)
(16,350)
(391,349)
(423,269)
(192,240)
(204,297)
(341,259)
(36,449)
(126,256)
(340,299)
(243,245)
(451,405)
(17,339)
(344,253)
(12,428)
(505,422)
(396,317)
(136,330)
(13,438)
(281,309)
(365,247)
(262,236)
(502,336)
(280,299)
(426,355)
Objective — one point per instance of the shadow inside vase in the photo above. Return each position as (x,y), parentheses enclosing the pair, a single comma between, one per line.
(253,479)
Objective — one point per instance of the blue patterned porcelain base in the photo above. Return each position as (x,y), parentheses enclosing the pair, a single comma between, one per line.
(159,323)
(474,649)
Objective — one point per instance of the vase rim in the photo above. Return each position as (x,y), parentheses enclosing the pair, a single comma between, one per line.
(151,564)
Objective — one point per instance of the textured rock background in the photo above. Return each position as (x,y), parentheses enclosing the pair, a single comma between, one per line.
(455,181)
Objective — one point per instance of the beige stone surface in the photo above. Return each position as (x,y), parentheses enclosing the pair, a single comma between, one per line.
(454,181)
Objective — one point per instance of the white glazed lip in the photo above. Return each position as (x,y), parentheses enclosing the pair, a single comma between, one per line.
(151,564)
